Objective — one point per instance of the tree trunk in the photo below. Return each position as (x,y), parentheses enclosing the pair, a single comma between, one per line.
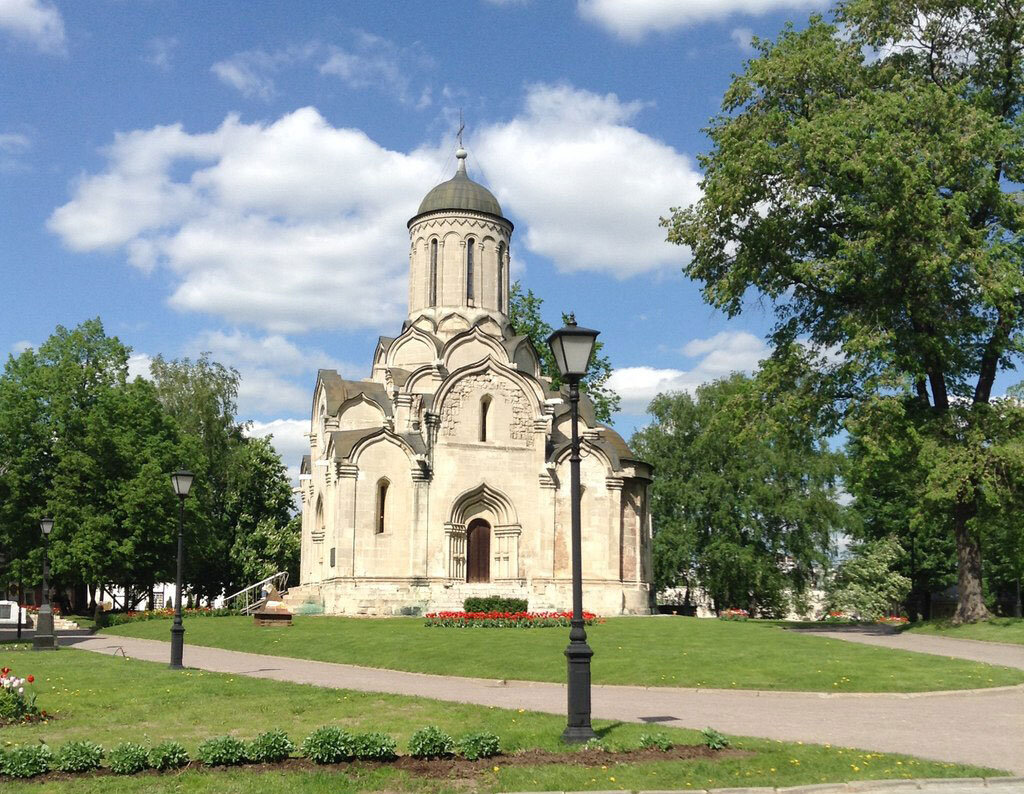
(970,607)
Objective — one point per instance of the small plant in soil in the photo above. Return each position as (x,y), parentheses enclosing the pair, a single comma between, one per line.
(168,755)
(714,740)
(375,747)
(329,745)
(79,757)
(128,758)
(269,747)
(478,745)
(27,761)
(17,700)
(431,742)
(655,741)
(222,751)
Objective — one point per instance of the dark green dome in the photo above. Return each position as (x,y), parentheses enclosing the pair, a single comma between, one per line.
(460,193)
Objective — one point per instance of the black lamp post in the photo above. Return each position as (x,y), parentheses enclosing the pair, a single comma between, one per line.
(573,346)
(182,482)
(45,639)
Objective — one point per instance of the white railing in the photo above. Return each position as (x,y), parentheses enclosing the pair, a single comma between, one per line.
(252,596)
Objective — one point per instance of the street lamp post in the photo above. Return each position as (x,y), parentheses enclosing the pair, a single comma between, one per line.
(572,347)
(182,482)
(45,639)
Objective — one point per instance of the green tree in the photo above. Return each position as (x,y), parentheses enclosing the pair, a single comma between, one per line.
(524,313)
(744,503)
(868,585)
(869,200)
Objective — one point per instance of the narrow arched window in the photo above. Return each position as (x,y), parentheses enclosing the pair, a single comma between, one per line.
(470,253)
(382,502)
(485,407)
(433,273)
(501,277)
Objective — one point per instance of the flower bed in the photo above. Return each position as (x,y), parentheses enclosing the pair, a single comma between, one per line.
(119,618)
(836,616)
(893,620)
(17,700)
(503,620)
(734,614)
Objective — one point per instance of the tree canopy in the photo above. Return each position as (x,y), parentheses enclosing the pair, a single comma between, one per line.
(862,181)
(524,313)
(744,504)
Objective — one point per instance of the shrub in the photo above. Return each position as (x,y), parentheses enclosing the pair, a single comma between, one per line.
(28,761)
(269,747)
(494,604)
(714,739)
(221,751)
(478,745)
(734,614)
(503,620)
(168,755)
(375,747)
(128,758)
(655,741)
(79,757)
(329,745)
(431,742)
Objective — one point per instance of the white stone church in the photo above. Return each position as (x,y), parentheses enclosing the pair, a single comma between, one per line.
(445,474)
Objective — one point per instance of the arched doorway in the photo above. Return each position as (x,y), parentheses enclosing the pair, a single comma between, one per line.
(478,551)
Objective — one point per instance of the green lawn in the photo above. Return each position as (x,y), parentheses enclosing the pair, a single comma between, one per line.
(684,652)
(995,630)
(111,699)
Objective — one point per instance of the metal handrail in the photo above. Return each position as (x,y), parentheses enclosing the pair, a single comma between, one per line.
(279,580)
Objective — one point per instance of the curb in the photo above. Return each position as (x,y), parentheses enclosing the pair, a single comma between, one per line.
(922,784)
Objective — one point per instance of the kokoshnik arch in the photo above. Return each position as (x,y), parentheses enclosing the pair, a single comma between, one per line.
(445,473)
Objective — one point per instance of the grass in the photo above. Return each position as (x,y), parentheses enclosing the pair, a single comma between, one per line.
(995,630)
(111,699)
(684,652)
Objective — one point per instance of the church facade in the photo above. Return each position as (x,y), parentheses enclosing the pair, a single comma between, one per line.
(445,474)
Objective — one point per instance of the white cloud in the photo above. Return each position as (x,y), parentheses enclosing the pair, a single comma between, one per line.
(289,440)
(138,366)
(252,72)
(376,62)
(589,186)
(287,226)
(741,38)
(20,347)
(12,146)
(35,21)
(271,368)
(160,52)
(633,19)
(720,355)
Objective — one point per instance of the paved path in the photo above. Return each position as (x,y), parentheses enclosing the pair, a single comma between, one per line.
(984,727)
(996,785)
(1002,653)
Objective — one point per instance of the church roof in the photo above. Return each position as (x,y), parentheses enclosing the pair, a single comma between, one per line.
(460,193)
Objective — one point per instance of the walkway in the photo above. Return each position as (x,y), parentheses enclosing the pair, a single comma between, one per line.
(983,727)
(1001,653)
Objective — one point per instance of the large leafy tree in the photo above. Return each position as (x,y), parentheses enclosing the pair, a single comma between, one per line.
(524,313)
(861,181)
(744,504)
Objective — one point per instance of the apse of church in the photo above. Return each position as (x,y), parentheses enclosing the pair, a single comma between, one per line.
(445,474)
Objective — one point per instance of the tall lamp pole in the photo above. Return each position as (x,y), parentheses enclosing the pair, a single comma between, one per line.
(573,347)
(45,639)
(182,482)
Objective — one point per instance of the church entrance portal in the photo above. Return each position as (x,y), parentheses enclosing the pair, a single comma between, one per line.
(478,551)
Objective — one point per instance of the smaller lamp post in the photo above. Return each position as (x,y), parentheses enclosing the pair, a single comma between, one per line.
(182,482)
(45,639)
(572,347)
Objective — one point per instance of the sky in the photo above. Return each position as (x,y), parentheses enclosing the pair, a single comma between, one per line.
(235,177)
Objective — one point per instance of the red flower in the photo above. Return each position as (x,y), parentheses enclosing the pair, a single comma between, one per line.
(31,679)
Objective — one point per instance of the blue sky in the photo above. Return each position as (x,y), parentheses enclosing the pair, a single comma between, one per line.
(236,176)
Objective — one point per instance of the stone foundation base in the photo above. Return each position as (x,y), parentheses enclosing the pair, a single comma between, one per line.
(419,596)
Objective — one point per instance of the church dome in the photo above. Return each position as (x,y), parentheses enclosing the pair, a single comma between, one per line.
(460,193)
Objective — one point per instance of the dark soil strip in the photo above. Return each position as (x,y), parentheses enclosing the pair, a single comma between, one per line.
(445,768)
